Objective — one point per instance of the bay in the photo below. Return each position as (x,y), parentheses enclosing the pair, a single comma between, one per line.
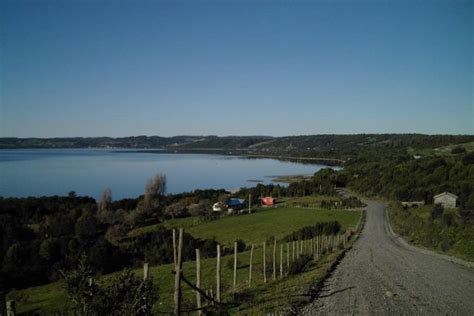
(39,172)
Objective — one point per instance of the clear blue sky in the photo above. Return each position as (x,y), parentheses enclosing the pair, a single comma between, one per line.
(121,68)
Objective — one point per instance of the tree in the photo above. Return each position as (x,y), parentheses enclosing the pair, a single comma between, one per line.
(105,214)
(154,188)
(86,228)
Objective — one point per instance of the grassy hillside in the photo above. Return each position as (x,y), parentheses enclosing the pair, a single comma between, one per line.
(253,228)
(257,227)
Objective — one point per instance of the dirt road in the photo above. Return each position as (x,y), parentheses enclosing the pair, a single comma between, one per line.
(381,274)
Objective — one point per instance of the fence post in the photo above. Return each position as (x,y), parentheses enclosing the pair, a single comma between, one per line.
(218,274)
(288,256)
(235,264)
(11,308)
(198,280)
(274,258)
(250,267)
(174,247)
(177,279)
(250,204)
(297,249)
(145,271)
(318,246)
(264,264)
(293,259)
(281,260)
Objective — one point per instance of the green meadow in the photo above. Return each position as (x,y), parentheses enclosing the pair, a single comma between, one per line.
(255,228)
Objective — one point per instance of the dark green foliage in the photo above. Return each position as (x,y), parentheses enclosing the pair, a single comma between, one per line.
(125,294)
(458,150)
(468,159)
(450,231)
(448,220)
(393,174)
(437,211)
(241,245)
(300,265)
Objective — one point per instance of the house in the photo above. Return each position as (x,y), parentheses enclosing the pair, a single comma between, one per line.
(234,205)
(218,207)
(446,199)
(268,201)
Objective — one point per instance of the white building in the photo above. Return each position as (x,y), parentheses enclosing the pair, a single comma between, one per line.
(446,199)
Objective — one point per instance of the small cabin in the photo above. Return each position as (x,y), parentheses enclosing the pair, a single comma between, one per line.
(268,201)
(446,199)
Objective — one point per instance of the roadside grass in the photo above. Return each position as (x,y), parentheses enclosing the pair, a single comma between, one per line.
(258,226)
(254,228)
(448,234)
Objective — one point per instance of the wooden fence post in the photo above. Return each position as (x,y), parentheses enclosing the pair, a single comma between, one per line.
(198,280)
(297,249)
(11,308)
(218,274)
(264,264)
(293,251)
(174,247)
(281,260)
(177,279)
(318,245)
(288,256)
(250,267)
(235,264)
(145,271)
(274,258)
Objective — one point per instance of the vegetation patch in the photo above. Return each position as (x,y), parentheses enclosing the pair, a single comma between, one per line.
(448,231)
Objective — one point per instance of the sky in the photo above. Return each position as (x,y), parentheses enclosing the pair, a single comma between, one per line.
(122,68)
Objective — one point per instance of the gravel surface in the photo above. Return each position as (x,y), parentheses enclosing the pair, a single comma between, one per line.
(382,274)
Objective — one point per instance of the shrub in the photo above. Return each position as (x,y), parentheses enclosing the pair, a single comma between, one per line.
(468,159)
(437,211)
(241,246)
(458,150)
(300,265)
(448,220)
(126,294)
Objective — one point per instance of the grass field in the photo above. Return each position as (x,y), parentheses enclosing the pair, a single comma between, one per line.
(254,228)
(259,226)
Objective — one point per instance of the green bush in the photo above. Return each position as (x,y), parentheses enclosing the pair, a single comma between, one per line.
(300,265)
(437,211)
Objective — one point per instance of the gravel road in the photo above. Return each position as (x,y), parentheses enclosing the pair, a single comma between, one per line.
(382,274)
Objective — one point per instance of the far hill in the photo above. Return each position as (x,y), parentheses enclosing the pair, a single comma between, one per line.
(315,146)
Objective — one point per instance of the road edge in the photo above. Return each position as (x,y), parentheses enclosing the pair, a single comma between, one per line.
(315,290)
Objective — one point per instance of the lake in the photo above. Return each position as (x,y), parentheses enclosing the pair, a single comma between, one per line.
(38,172)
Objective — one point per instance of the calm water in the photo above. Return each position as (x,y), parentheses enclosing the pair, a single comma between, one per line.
(37,172)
